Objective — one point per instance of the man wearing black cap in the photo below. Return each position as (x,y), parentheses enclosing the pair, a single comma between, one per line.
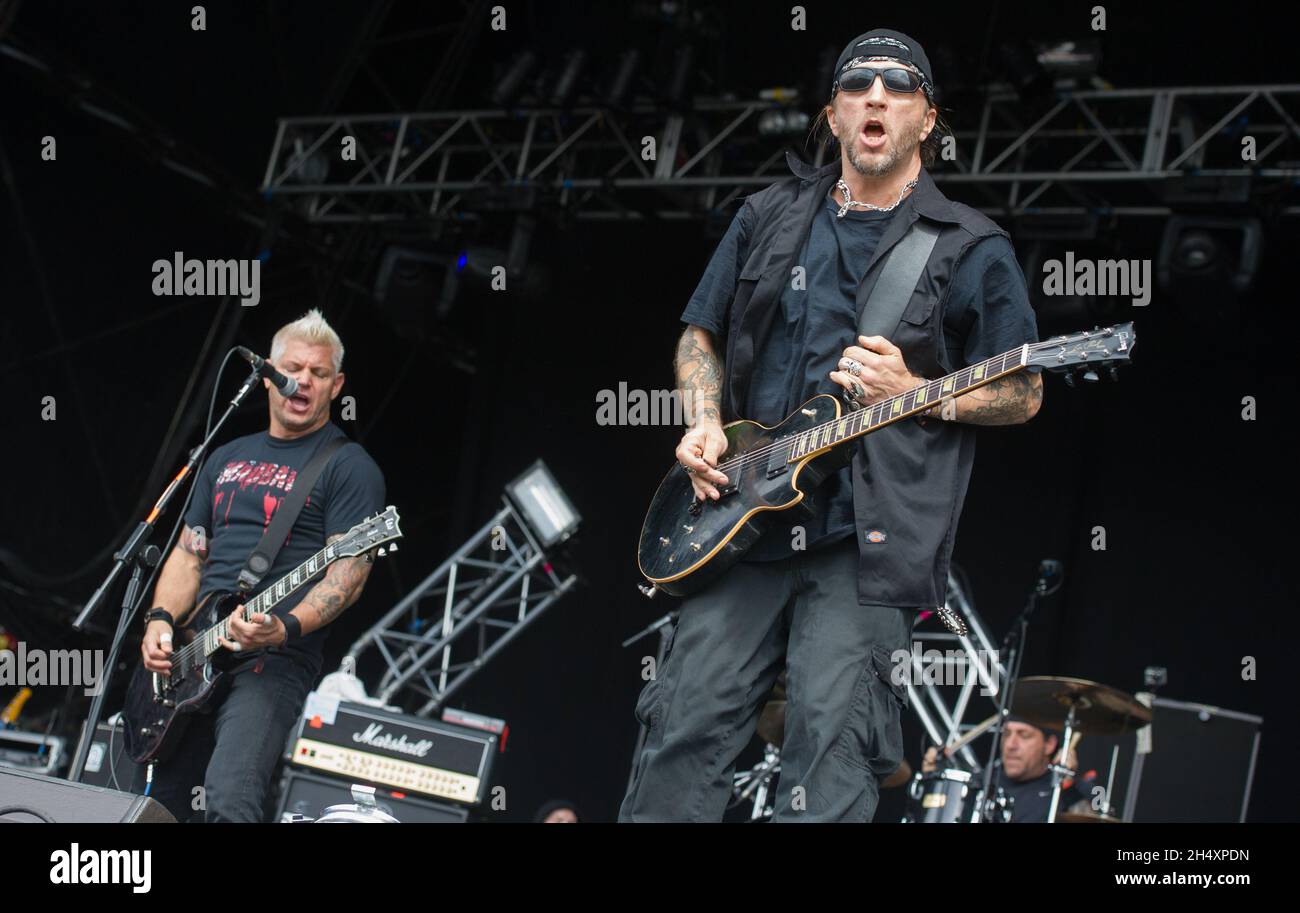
(1027,750)
(773,322)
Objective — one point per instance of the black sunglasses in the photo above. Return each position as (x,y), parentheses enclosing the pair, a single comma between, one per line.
(896,79)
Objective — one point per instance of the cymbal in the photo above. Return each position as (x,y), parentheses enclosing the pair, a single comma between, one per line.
(1085,818)
(1099,709)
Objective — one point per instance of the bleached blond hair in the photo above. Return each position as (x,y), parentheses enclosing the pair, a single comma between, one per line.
(311,327)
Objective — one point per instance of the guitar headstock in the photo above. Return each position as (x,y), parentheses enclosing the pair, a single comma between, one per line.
(1085,352)
(369,533)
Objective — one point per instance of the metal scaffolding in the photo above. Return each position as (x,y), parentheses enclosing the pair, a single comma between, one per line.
(461,615)
(1121,151)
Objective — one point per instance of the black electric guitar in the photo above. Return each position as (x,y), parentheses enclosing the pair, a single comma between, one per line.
(687,542)
(158,705)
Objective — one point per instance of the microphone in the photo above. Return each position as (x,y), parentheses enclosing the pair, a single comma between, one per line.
(286,385)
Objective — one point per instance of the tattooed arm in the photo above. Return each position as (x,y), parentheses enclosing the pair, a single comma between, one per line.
(698,370)
(178,583)
(342,584)
(178,587)
(1011,400)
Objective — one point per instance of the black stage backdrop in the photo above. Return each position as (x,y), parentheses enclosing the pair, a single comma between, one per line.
(1196,502)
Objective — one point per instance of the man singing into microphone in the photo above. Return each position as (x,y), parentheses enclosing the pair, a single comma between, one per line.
(231,752)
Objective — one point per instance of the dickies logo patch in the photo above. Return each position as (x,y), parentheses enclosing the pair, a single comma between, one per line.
(875,536)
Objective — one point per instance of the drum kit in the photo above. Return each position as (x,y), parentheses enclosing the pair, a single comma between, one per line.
(1073,706)
(963,790)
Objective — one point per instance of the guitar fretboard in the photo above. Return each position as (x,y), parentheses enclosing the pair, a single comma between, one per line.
(264,601)
(869,418)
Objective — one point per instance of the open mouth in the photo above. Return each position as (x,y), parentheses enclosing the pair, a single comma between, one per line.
(873,133)
(298,403)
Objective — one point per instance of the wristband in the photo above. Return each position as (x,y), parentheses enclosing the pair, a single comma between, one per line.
(158,613)
(292,627)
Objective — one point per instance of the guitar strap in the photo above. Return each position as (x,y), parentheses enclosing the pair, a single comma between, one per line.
(898,278)
(263,556)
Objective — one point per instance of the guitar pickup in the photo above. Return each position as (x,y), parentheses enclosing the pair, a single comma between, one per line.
(778,463)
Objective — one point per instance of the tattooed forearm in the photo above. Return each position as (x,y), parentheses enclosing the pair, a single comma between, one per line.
(698,370)
(195,541)
(342,584)
(1007,401)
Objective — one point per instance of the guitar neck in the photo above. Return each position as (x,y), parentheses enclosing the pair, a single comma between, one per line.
(272,596)
(867,419)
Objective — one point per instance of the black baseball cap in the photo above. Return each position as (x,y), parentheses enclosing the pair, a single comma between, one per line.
(885,43)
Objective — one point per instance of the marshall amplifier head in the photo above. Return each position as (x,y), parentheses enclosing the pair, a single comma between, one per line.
(410,754)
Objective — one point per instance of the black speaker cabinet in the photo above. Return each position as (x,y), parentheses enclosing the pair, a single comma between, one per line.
(310,794)
(106,763)
(32,798)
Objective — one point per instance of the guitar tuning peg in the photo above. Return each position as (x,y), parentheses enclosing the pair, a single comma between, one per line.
(382,553)
(393,547)
(1069,378)
(1091,376)
(1113,372)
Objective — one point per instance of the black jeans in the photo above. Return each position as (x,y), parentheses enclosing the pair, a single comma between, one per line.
(843,713)
(232,751)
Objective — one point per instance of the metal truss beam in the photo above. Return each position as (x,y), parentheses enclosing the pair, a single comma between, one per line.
(463,614)
(1090,151)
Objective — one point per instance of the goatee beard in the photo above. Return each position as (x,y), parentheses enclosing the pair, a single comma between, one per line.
(901,152)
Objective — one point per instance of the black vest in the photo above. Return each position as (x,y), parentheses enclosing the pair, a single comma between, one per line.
(909,480)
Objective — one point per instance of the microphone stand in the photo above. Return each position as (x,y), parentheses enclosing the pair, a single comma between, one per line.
(1013,645)
(137,554)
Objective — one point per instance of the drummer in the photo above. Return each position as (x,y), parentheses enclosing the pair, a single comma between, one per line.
(1026,751)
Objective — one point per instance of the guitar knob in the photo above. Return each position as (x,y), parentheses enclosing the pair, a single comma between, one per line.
(695,546)
(663,541)
(146,731)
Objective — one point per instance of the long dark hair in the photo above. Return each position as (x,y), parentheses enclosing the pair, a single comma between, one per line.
(820,133)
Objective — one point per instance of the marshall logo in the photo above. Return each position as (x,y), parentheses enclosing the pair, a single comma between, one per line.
(375,737)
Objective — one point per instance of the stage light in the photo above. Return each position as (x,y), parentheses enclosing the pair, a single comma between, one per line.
(567,81)
(512,83)
(543,505)
(782,122)
(628,64)
(1209,255)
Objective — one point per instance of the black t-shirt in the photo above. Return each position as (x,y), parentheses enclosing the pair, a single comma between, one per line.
(986,312)
(244,482)
(1033,798)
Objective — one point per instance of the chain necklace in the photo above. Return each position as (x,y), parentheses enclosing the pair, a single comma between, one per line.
(849,201)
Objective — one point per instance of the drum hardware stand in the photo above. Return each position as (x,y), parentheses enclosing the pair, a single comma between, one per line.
(757,781)
(664,627)
(1050,578)
(1060,772)
(957,612)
